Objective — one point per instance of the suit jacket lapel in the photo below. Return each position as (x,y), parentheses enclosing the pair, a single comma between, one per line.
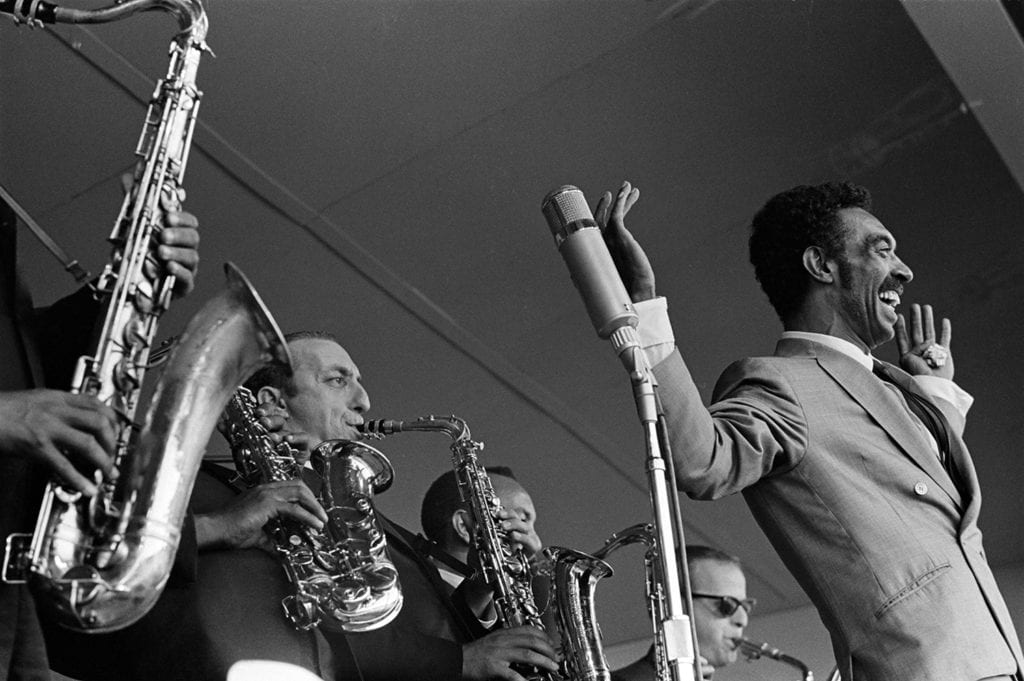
(880,403)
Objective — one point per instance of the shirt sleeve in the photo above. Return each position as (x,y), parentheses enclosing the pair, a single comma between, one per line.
(655,329)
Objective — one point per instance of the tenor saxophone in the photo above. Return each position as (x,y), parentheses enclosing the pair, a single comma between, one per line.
(99,564)
(343,577)
(653,587)
(573,579)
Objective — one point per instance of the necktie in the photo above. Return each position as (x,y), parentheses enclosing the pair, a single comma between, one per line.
(930,417)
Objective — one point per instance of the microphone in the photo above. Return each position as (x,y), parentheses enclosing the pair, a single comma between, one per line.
(590,264)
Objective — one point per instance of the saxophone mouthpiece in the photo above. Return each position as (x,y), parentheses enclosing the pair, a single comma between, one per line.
(754,650)
(378,428)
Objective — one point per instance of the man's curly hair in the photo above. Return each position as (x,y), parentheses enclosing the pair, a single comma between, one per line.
(787,225)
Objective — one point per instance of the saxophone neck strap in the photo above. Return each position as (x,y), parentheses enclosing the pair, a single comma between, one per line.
(432,549)
(70,264)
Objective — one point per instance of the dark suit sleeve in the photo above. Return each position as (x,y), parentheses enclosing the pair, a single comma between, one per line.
(62,333)
(754,428)
(396,653)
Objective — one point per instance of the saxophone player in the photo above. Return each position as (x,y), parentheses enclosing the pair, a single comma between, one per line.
(222,602)
(721,611)
(46,430)
(430,639)
(448,526)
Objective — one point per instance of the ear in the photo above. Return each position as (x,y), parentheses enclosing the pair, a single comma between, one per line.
(271,396)
(818,266)
(463,526)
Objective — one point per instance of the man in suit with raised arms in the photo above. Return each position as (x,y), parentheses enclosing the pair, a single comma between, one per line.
(856,470)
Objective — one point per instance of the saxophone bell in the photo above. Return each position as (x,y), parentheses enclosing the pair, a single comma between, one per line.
(95,579)
(573,577)
(369,595)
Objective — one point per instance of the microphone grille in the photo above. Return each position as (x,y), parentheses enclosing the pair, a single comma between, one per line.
(566,210)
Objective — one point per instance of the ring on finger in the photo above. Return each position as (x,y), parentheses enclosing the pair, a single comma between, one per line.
(935,355)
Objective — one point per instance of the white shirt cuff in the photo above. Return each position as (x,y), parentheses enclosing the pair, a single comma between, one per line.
(945,389)
(654,329)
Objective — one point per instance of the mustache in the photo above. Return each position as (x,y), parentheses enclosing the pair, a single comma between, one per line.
(892,284)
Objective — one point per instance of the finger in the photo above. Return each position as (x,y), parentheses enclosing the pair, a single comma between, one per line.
(97,425)
(618,212)
(181,221)
(631,199)
(929,324)
(902,341)
(86,449)
(916,332)
(186,257)
(300,441)
(947,333)
(310,502)
(534,658)
(604,207)
(183,235)
(91,405)
(184,278)
(296,512)
(67,473)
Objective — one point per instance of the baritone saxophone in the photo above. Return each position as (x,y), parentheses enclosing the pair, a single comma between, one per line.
(100,564)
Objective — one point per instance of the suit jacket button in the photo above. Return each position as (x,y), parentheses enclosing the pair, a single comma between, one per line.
(920,489)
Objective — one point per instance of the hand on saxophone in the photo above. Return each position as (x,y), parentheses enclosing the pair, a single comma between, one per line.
(239,525)
(520,531)
(72,435)
(176,249)
(280,430)
(492,656)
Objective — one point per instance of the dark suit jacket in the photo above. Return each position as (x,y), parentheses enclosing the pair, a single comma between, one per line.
(424,642)
(858,507)
(643,669)
(219,607)
(39,349)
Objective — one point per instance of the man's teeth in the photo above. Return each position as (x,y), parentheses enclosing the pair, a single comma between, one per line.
(889,298)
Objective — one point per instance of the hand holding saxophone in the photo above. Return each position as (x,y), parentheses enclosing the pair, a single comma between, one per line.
(72,435)
(239,525)
(520,532)
(492,656)
(280,430)
(177,251)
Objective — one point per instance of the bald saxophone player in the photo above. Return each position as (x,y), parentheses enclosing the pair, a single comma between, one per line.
(721,611)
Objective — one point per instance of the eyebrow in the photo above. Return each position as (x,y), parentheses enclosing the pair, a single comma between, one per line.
(875,239)
(344,371)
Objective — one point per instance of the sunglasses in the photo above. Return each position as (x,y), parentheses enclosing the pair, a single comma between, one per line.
(727,605)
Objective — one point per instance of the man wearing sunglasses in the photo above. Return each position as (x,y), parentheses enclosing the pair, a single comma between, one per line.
(721,610)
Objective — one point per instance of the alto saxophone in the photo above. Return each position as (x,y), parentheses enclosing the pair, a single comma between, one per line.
(753,651)
(504,565)
(343,576)
(99,564)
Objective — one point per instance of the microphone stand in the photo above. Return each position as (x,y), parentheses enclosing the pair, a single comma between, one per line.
(679,635)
